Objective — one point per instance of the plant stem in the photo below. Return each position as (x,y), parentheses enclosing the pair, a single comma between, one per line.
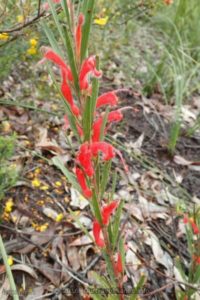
(8,271)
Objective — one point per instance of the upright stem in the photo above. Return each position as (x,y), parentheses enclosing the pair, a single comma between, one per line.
(111,256)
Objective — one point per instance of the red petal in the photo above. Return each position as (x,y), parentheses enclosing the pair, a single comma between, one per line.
(195,228)
(84,158)
(107,150)
(107,99)
(97,232)
(78,35)
(119,264)
(107,211)
(81,179)
(88,66)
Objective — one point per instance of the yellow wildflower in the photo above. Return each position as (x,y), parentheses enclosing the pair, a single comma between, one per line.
(36,182)
(20,19)
(9,205)
(101,21)
(10,260)
(43,227)
(4,36)
(33,42)
(44,187)
(6,127)
(58,183)
(31,51)
(59,217)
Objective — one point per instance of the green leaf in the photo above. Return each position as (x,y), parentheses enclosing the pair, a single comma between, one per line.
(136,290)
(56,19)
(95,206)
(105,117)
(87,120)
(122,251)
(66,11)
(109,268)
(196,278)
(105,177)
(70,176)
(102,281)
(116,224)
(88,12)
(51,38)
(71,59)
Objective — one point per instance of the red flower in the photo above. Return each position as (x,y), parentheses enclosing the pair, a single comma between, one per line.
(56,59)
(97,234)
(119,264)
(194,227)
(81,179)
(88,67)
(185,219)
(78,35)
(66,91)
(113,116)
(107,99)
(106,149)
(107,211)
(84,158)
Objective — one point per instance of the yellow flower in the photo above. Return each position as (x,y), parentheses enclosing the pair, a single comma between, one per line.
(44,187)
(33,42)
(36,182)
(4,36)
(32,51)
(20,19)
(101,21)
(58,183)
(10,260)
(9,205)
(59,217)
(43,227)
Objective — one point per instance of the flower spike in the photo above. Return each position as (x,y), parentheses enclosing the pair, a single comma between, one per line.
(107,211)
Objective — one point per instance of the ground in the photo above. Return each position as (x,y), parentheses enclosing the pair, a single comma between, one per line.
(52,254)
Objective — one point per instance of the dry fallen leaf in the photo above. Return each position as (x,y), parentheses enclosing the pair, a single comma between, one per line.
(44,143)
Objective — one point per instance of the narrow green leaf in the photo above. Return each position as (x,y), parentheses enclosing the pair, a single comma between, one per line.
(56,19)
(51,38)
(196,278)
(84,6)
(122,251)
(137,288)
(109,268)
(96,208)
(116,224)
(88,12)
(102,281)
(87,120)
(8,271)
(69,175)
(105,117)
(71,58)
(105,177)
(114,182)
(66,11)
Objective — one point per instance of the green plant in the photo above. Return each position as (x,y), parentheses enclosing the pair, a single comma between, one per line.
(79,90)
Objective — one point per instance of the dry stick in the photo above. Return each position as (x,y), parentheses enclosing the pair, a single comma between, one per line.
(157,290)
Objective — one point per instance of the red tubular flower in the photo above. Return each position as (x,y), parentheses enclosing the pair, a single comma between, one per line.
(84,158)
(107,211)
(66,91)
(78,35)
(107,150)
(88,67)
(185,219)
(97,234)
(81,179)
(194,227)
(113,116)
(107,99)
(56,59)
(119,264)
